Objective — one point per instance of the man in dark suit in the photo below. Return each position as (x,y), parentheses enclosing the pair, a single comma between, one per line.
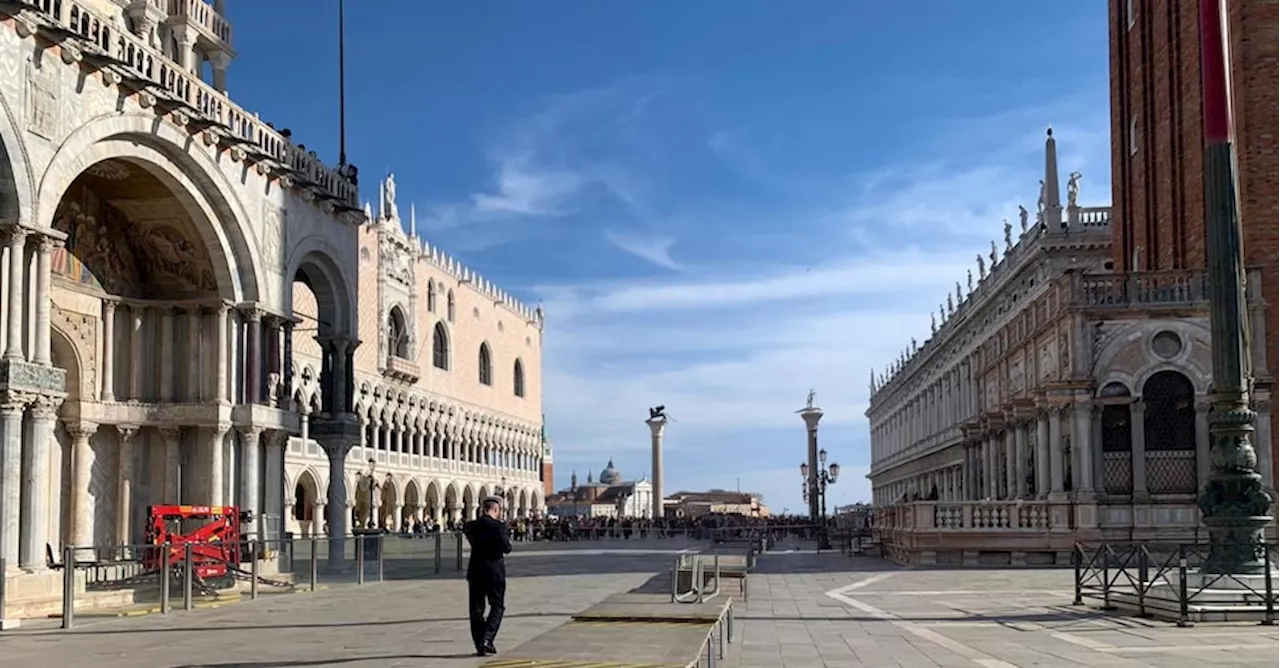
(487,574)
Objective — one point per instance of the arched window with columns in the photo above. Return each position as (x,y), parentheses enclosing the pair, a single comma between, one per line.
(1117,439)
(517,379)
(1169,433)
(486,365)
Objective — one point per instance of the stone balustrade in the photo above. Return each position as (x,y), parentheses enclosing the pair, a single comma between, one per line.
(158,77)
(943,516)
(204,15)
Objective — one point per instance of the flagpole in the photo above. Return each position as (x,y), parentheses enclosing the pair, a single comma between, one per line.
(1234,503)
(342,84)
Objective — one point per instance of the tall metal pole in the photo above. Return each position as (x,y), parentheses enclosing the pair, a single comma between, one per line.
(1234,504)
(342,83)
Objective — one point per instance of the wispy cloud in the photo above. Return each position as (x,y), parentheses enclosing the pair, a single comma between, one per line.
(652,249)
(729,344)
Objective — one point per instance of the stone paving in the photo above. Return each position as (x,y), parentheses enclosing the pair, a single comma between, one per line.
(828,611)
(805,611)
(399,623)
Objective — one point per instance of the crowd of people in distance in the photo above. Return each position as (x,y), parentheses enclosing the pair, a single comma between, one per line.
(567,528)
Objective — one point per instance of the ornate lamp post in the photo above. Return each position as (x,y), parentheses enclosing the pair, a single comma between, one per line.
(373,485)
(501,493)
(821,477)
(1234,502)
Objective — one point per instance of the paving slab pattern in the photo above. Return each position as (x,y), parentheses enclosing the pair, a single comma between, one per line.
(828,611)
(393,624)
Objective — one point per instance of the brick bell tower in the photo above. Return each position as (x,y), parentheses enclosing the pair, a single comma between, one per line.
(1156,149)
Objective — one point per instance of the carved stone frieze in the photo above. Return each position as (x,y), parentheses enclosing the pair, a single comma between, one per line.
(82,331)
(272,235)
(44,114)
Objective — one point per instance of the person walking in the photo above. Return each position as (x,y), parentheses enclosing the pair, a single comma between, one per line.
(487,574)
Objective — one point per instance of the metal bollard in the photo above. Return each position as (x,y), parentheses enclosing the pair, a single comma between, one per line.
(253,570)
(187,572)
(711,654)
(315,565)
(382,544)
(729,620)
(68,587)
(439,551)
(166,572)
(360,559)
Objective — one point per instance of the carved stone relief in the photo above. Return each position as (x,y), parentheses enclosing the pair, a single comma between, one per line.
(1048,360)
(272,235)
(43,111)
(1017,377)
(83,332)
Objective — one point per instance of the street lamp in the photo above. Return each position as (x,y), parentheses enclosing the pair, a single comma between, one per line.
(373,466)
(502,494)
(821,477)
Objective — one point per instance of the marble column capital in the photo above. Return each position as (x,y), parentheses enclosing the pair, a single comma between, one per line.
(14,234)
(127,431)
(15,401)
(46,244)
(170,434)
(80,429)
(1204,404)
(45,407)
(220,429)
(250,433)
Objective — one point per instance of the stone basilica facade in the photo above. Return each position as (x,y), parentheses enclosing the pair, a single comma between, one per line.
(1054,401)
(195,309)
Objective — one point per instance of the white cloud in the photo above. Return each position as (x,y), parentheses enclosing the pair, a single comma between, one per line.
(524,189)
(653,249)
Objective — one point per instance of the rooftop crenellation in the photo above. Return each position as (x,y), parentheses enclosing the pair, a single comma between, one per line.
(1019,246)
(389,216)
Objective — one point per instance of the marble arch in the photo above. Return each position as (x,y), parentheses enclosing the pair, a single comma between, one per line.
(217,215)
(315,260)
(16,180)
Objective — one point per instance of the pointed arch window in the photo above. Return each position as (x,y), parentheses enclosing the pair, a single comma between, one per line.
(451,306)
(397,334)
(517,379)
(440,347)
(431,296)
(486,365)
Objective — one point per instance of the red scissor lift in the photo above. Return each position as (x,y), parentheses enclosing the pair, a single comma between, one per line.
(212,531)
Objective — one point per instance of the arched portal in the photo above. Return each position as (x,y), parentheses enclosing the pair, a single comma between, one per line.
(412,504)
(522,507)
(305,494)
(452,503)
(1169,433)
(432,505)
(390,503)
(468,502)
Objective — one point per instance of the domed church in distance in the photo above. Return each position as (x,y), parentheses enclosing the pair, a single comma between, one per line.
(608,496)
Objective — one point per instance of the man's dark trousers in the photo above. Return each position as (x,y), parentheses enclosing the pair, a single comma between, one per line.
(486,578)
(493,592)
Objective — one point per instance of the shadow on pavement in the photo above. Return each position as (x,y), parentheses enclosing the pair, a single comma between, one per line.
(93,630)
(326,662)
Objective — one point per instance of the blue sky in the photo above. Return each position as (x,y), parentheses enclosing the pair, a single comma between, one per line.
(720,204)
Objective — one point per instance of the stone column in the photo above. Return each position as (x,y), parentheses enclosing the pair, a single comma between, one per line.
(82,460)
(317,518)
(16,293)
(11,413)
(656,425)
(337,507)
(1204,442)
(194,354)
(220,347)
(1021,448)
(991,460)
(166,354)
(1056,454)
(1043,458)
(1010,462)
(272,487)
(36,507)
(1138,432)
(215,449)
(249,478)
(108,392)
(253,358)
(1262,441)
(172,439)
(44,253)
(287,359)
(1082,445)
(136,314)
(124,484)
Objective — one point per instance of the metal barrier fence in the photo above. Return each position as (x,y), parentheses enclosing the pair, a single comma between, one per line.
(1151,574)
(155,577)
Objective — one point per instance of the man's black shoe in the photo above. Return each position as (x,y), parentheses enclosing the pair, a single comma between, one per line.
(490,649)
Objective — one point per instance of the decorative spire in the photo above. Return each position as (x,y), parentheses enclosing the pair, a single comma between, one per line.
(1049,191)
(959,294)
(413,220)
(951,307)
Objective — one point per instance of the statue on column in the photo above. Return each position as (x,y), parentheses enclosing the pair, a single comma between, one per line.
(969,274)
(1041,203)
(1022,217)
(1008,236)
(994,255)
(933,324)
(959,294)
(389,198)
(808,402)
(1073,189)
(982,267)
(950,305)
